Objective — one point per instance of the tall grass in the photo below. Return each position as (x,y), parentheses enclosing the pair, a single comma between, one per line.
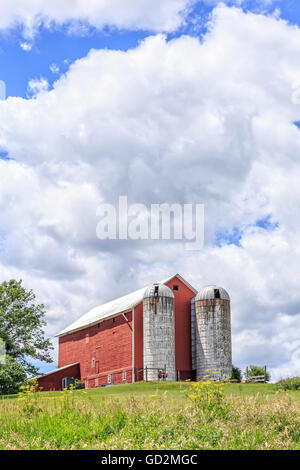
(80,420)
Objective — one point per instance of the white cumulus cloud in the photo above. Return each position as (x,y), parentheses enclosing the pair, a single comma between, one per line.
(154,15)
(151,15)
(37,85)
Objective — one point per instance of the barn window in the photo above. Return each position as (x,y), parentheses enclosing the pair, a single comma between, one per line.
(175,287)
(114,320)
(124,375)
(98,325)
(87,338)
(109,379)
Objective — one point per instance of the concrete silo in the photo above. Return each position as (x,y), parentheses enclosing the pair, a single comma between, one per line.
(213,331)
(159,331)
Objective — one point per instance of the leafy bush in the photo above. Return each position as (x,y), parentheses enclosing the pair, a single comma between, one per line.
(292,383)
(78,384)
(236,374)
(12,375)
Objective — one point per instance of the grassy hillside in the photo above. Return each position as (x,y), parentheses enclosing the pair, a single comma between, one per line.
(153,416)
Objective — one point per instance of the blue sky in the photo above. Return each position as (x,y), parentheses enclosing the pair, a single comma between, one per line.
(52,47)
(189,113)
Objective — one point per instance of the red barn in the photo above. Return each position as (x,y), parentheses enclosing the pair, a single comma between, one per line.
(106,345)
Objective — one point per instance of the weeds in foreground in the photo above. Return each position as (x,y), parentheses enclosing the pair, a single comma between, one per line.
(207,419)
(207,395)
(28,398)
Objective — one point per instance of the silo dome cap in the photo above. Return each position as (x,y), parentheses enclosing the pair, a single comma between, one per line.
(161,289)
(212,292)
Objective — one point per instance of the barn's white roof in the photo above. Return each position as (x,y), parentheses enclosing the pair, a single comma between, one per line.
(113,308)
(57,370)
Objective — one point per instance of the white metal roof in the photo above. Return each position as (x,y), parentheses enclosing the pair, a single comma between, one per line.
(57,370)
(114,307)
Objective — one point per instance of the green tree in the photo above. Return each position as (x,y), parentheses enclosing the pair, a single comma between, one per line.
(21,325)
(236,374)
(254,371)
(12,375)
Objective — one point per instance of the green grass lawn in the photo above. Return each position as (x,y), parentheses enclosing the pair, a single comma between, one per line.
(145,389)
(152,416)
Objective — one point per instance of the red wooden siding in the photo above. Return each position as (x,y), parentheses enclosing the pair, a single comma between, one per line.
(108,343)
(53,381)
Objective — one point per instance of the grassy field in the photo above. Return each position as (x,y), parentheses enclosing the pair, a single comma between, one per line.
(152,416)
